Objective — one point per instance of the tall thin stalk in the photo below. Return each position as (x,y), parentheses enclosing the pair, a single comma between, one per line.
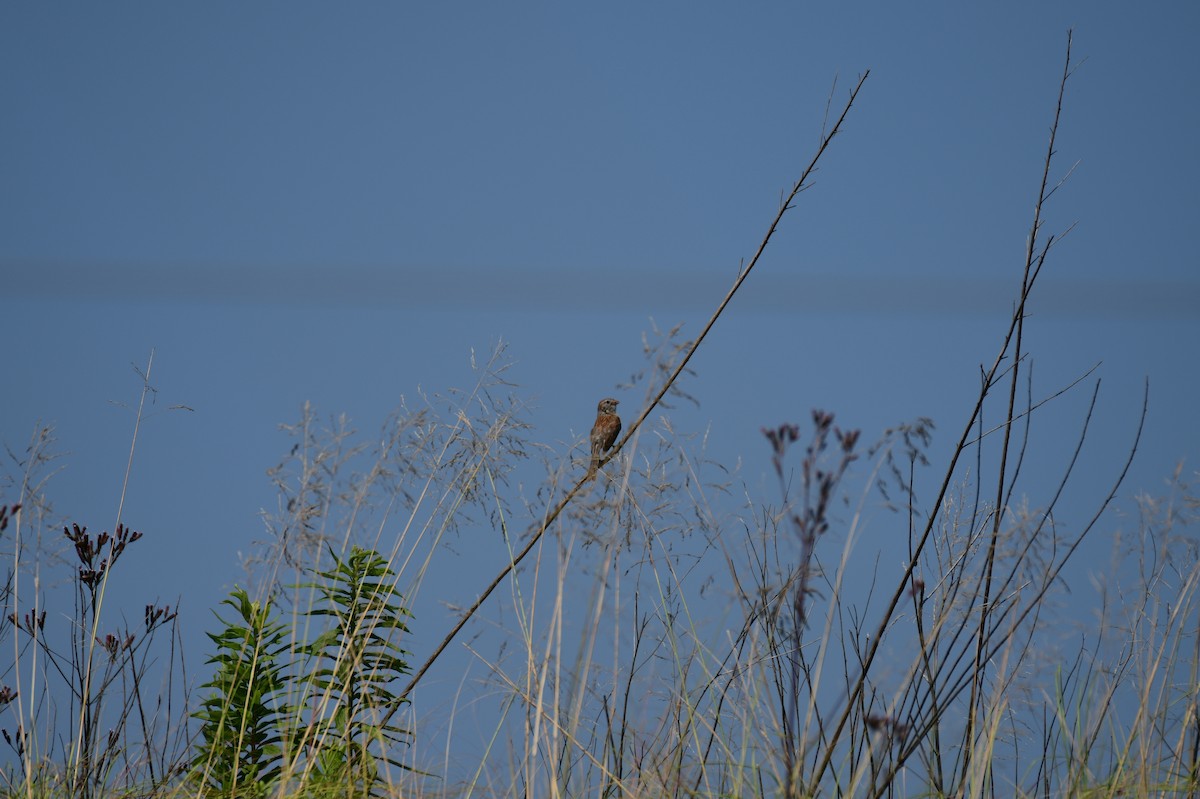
(540,528)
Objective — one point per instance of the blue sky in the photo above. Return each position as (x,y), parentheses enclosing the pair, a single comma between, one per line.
(301,202)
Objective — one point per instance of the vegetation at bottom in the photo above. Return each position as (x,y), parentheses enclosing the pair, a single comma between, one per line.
(659,629)
(281,711)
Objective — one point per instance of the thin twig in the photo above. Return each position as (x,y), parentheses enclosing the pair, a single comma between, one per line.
(989,562)
(541,527)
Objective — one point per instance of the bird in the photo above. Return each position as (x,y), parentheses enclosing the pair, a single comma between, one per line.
(604,431)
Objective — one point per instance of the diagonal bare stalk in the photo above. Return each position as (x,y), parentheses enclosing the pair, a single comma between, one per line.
(541,527)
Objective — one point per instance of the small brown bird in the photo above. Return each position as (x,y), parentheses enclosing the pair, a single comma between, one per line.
(604,431)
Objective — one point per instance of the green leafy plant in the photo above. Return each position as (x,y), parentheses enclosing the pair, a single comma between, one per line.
(242,742)
(355,661)
(314,715)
